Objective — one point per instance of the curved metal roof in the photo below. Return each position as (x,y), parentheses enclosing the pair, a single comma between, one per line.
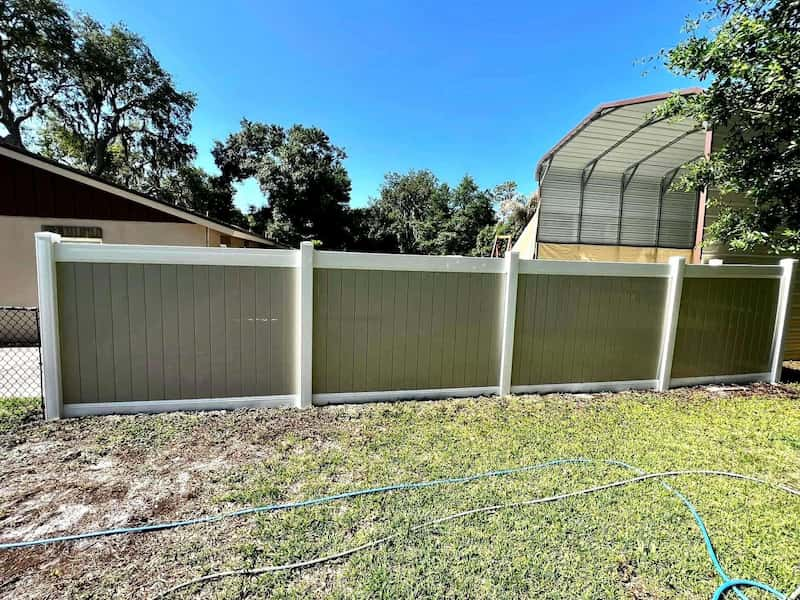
(623,137)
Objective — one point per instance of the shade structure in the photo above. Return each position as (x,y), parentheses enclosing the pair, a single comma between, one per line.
(608,180)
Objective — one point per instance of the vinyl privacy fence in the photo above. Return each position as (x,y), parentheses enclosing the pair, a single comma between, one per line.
(147,328)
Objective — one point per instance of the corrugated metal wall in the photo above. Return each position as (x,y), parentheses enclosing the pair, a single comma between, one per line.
(404,330)
(600,221)
(641,224)
(580,328)
(163,332)
(725,327)
(560,205)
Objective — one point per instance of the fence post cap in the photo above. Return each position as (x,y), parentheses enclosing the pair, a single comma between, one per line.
(48,235)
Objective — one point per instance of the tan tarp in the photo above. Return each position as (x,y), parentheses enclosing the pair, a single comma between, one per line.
(609,253)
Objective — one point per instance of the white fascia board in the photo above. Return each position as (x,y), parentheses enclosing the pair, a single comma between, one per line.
(159,406)
(174,255)
(406,262)
(132,196)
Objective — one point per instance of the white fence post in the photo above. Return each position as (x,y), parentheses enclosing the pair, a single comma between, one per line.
(48,322)
(305,319)
(509,319)
(781,319)
(677,267)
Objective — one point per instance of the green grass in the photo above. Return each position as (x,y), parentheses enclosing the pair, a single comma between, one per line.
(15,412)
(637,542)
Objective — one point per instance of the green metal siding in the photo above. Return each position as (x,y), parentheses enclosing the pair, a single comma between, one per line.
(404,330)
(572,329)
(725,327)
(167,332)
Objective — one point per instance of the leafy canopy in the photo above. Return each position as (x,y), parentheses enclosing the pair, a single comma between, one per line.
(36,46)
(121,116)
(416,213)
(301,174)
(748,53)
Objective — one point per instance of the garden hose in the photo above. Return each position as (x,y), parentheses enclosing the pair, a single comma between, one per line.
(727,582)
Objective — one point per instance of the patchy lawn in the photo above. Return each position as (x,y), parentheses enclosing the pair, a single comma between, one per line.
(634,542)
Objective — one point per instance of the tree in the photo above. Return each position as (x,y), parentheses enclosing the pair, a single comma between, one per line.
(472,211)
(416,213)
(192,188)
(413,210)
(748,51)
(302,175)
(36,45)
(514,210)
(120,109)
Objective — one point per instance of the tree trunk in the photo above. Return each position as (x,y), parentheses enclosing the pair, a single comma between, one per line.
(14,136)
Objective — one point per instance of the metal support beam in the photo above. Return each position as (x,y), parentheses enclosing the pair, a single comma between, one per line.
(660,149)
(584,181)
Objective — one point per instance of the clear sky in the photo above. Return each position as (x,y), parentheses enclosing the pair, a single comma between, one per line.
(483,88)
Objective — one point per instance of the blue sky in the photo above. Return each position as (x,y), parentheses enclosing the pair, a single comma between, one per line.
(456,87)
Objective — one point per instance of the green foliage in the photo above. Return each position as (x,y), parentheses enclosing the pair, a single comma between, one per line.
(17,412)
(748,51)
(418,214)
(412,211)
(121,116)
(301,173)
(36,45)
(192,188)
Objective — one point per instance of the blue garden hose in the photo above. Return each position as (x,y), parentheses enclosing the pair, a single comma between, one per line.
(727,582)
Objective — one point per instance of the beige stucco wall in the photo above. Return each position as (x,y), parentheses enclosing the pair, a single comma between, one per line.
(609,253)
(18,256)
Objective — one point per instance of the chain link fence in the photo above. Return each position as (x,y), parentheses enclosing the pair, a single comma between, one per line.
(20,353)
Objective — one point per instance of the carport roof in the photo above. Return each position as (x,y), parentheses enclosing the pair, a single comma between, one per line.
(623,137)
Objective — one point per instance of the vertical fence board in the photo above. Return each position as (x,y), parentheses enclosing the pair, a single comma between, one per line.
(373,345)
(104,333)
(187,342)
(346,324)
(69,337)
(262,328)
(154,326)
(202,331)
(171,332)
(233,338)
(137,315)
(121,327)
(87,349)
(249,326)
(360,329)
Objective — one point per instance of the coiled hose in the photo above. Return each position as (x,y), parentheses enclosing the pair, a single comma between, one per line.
(727,582)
